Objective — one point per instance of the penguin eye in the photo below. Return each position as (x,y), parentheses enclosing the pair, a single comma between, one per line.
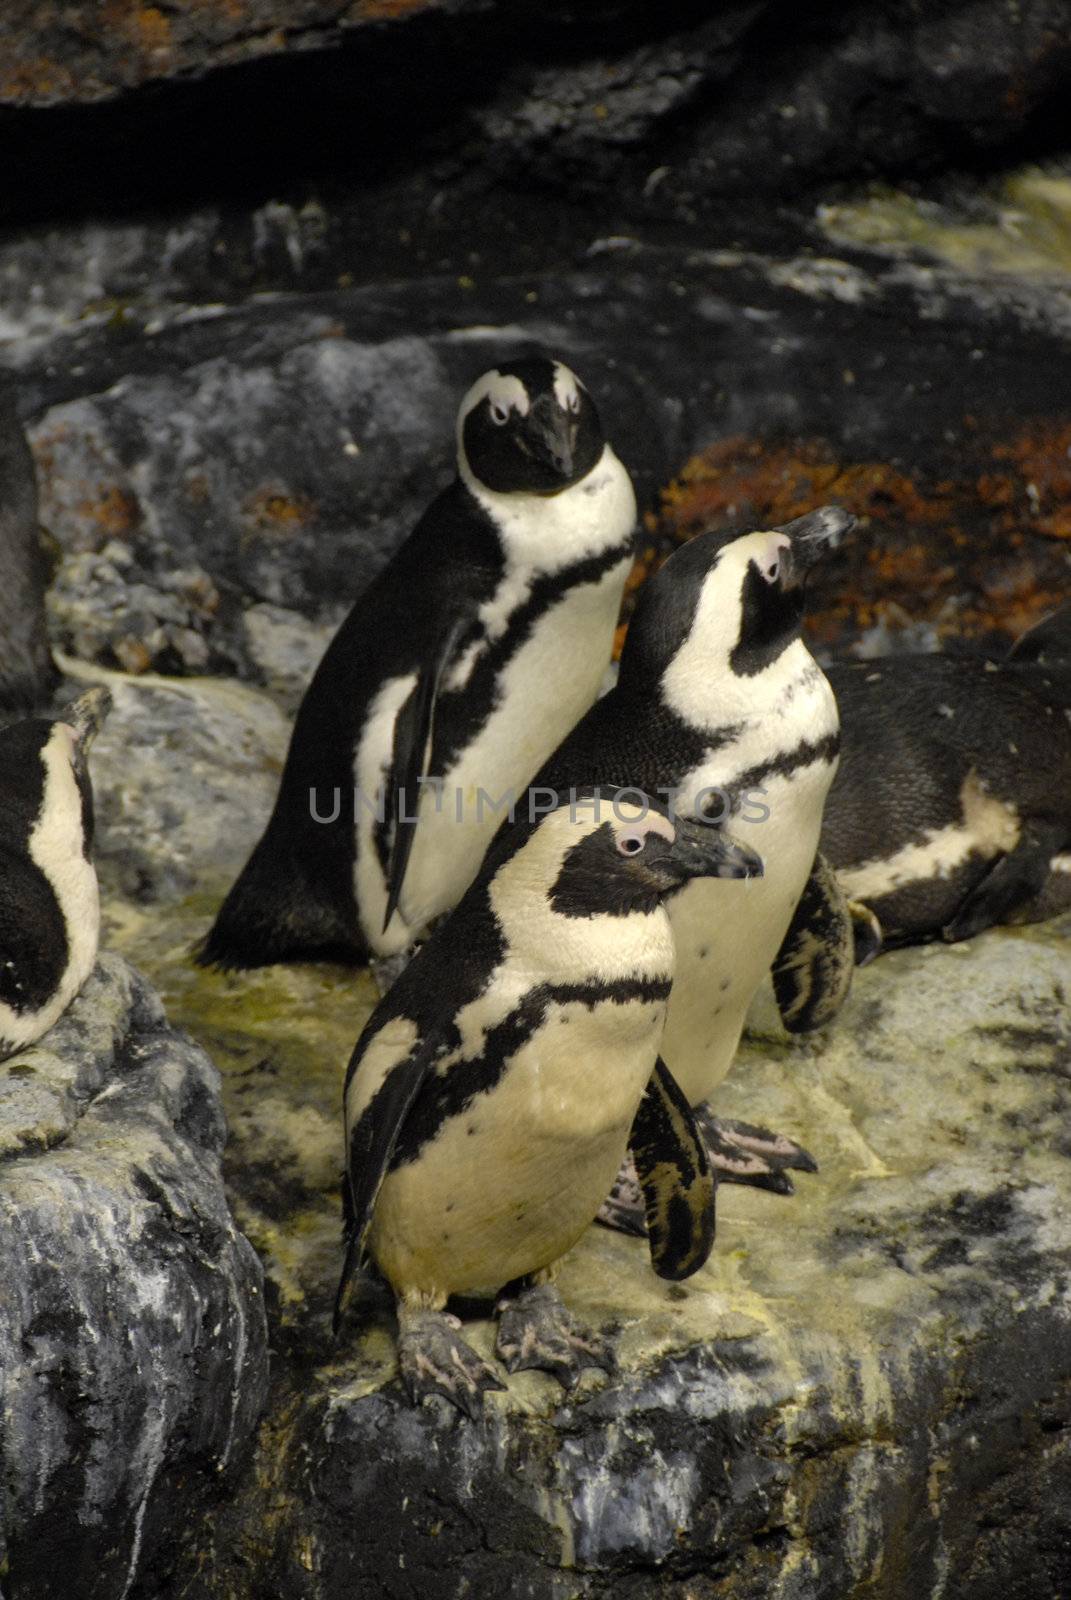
(573,402)
(499,414)
(772,570)
(630,844)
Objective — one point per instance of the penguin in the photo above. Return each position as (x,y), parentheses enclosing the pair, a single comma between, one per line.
(455,674)
(951,811)
(27,672)
(721,709)
(489,1100)
(49,902)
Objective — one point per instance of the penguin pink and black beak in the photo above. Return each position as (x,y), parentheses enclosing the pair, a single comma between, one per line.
(85,717)
(700,851)
(811,538)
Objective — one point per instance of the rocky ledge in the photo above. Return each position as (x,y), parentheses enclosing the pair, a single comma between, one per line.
(133,1356)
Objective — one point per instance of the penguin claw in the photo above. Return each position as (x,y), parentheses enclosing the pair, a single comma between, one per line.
(433,1359)
(745,1153)
(537,1333)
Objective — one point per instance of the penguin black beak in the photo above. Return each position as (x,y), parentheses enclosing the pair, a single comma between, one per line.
(552,437)
(87,714)
(708,852)
(813,536)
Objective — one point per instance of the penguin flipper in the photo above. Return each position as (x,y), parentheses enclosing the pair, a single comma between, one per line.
(675,1176)
(370,1145)
(1011,881)
(413,728)
(812,971)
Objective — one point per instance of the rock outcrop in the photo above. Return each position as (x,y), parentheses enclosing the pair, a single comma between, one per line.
(133,1355)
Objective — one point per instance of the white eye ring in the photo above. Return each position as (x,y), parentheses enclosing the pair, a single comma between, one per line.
(773,571)
(499,415)
(573,403)
(630,844)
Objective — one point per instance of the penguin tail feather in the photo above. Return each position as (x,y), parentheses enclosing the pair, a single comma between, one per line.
(276,912)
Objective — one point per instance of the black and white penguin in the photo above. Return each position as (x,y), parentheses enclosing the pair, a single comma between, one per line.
(458,670)
(951,811)
(49,904)
(720,707)
(489,1101)
(27,672)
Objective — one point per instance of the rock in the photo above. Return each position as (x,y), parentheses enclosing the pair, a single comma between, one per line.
(26,671)
(275,452)
(133,1358)
(662,114)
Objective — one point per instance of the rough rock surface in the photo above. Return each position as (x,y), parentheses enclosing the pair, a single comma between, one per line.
(668,108)
(215,474)
(867,1390)
(133,1358)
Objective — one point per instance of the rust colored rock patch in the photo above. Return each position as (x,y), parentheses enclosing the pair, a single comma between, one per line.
(978,553)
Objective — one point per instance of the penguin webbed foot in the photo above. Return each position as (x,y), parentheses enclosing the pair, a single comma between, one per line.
(743,1152)
(536,1331)
(433,1359)
(624,1208)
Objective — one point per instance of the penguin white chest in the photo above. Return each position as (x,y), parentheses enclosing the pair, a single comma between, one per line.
(511,1181)
(727,934)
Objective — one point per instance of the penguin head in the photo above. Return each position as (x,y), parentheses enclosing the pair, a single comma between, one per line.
(726,606)
(528,427)
(620,853)
(38,758)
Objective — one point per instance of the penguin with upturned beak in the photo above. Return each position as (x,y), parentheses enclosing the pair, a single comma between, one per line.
(721,709)
(49,902)
(951,811)
(491,1097)
(458,670)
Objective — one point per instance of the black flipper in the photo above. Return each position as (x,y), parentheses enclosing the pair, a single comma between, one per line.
(413,728)
(675,1176)
(812,971)
(1012,881)
(371,1145)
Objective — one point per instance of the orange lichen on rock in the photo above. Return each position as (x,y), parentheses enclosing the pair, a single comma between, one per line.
(970,553)
(277,511)
(387,10)
(114,511)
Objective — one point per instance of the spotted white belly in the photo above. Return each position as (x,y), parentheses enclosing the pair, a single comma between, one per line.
(508,1185)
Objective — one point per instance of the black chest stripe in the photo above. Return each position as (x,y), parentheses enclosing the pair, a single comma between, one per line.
(461,713)
(804,754)
(451,1095)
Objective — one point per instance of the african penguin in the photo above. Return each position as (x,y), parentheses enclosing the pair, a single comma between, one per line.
(49,905)
(489,1101)
(952,807)
(27,673)
(720,707)
(457,671)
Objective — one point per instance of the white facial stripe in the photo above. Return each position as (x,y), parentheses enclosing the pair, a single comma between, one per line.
(566,387)
(699,682)
(989,827)
(505,392)
(632,819)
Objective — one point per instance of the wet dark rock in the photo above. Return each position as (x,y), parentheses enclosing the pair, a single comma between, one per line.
(26,670)
(676,107)
(133,1357)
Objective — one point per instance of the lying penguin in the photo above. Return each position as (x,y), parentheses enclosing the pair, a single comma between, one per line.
(952,807)
(489,1100)
(27,673)
(49,905)
(457,671)
(720,707)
